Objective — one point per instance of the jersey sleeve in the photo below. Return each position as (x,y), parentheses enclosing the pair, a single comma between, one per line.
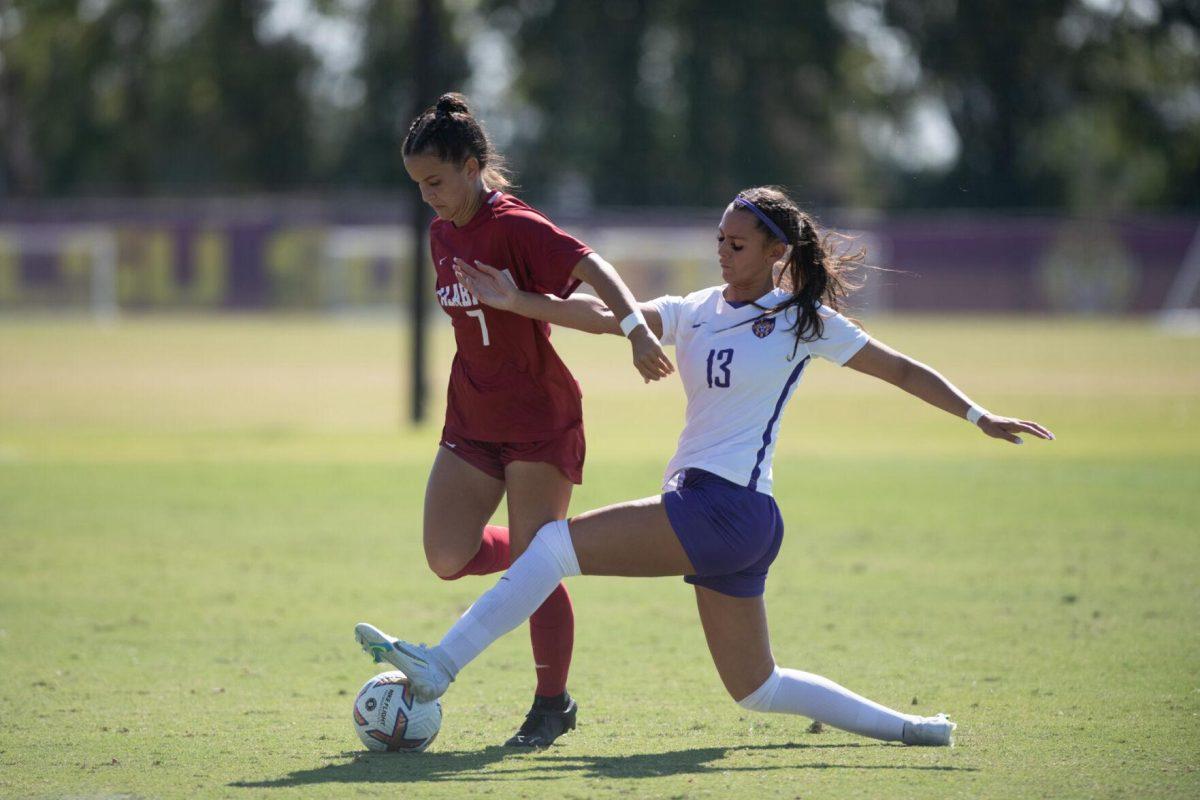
(669,308)
(841,339)
(549,252)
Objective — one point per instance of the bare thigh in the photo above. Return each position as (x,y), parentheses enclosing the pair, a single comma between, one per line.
(634,539)
(736,630)
(459,501)
(537,493)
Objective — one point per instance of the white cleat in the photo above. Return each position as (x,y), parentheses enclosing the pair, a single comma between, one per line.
(930,731)
(426,674)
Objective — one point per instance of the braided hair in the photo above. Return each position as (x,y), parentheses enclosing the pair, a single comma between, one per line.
(448,130)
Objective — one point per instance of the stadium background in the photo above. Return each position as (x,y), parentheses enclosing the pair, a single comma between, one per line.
(207,349)
(241,155)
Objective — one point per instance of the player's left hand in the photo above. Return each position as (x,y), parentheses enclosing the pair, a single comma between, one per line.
(1009,428)
(648,355)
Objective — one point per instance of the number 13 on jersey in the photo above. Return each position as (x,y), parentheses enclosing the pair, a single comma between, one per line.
(721,359)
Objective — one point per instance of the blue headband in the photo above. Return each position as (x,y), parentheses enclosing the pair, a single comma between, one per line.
(771,226)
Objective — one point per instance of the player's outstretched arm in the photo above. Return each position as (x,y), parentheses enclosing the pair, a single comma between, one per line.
(919,380)
(493,288)
(648,356)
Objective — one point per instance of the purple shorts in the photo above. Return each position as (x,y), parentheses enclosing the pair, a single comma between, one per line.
(730,533)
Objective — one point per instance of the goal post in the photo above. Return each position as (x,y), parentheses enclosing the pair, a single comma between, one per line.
(361,268)
(78,274)
(679,260)
(1181,307)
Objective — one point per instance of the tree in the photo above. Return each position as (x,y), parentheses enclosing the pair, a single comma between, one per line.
(679,102)
(371,155)
(1060,103)
(231,110)
(109,97)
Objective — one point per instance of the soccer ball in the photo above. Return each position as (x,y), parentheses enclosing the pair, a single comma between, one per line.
(388,717)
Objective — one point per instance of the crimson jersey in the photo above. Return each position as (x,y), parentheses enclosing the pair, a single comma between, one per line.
(507,384)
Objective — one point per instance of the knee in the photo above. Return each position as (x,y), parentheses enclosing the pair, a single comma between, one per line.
(757,691)
(445,563)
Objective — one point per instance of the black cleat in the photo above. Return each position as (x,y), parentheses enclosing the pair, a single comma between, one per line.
(545,722)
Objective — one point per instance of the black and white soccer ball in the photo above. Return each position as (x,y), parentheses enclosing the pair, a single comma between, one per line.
(388,718)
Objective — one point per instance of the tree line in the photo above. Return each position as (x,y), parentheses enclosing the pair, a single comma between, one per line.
(1077,105)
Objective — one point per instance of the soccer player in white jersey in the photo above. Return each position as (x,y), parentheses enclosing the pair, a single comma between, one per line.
(741,350)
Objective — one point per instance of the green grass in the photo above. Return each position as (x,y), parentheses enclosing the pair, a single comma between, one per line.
(195,512)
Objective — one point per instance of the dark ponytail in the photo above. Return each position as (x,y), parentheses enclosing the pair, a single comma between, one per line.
(447,130)
(816,270)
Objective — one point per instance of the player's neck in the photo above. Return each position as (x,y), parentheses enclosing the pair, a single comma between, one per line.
(471,208)
(748,292)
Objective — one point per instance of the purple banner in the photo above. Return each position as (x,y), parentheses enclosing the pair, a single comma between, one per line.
(309,253)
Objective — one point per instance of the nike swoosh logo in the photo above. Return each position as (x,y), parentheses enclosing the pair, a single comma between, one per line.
(697,324)
(451,445)
(441,261)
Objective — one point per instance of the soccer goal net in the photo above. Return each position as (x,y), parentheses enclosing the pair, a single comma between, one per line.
(362,268)
(679,260)
(59,268)
(1181,308)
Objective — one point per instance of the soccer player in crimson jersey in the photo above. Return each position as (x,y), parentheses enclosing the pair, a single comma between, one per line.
(507,383)
(514,418)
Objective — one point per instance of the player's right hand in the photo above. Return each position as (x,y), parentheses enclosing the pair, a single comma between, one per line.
(648,355)
(489,285)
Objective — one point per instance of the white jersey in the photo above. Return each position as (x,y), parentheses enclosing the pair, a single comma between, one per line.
(738,370)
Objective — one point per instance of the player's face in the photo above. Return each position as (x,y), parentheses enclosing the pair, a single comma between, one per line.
(447,187)
(747,255)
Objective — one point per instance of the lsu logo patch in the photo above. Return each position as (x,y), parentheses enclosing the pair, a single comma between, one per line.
(762,328)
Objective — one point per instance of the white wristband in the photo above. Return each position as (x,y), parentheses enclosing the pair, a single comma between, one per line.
(632,321)
(974,413)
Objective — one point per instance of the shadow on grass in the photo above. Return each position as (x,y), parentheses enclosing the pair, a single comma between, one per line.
(476,765)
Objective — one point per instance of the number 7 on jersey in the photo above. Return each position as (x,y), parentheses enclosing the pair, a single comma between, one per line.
(478,314)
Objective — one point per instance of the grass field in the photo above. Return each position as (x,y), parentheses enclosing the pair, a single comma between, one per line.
(195,512)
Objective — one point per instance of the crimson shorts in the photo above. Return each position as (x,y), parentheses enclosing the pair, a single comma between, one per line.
(565,451)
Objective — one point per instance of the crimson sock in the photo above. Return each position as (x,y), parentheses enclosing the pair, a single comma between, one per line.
(552,632)
(492,555)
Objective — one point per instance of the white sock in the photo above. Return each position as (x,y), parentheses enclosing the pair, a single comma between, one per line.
(790,691)
(518,593)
